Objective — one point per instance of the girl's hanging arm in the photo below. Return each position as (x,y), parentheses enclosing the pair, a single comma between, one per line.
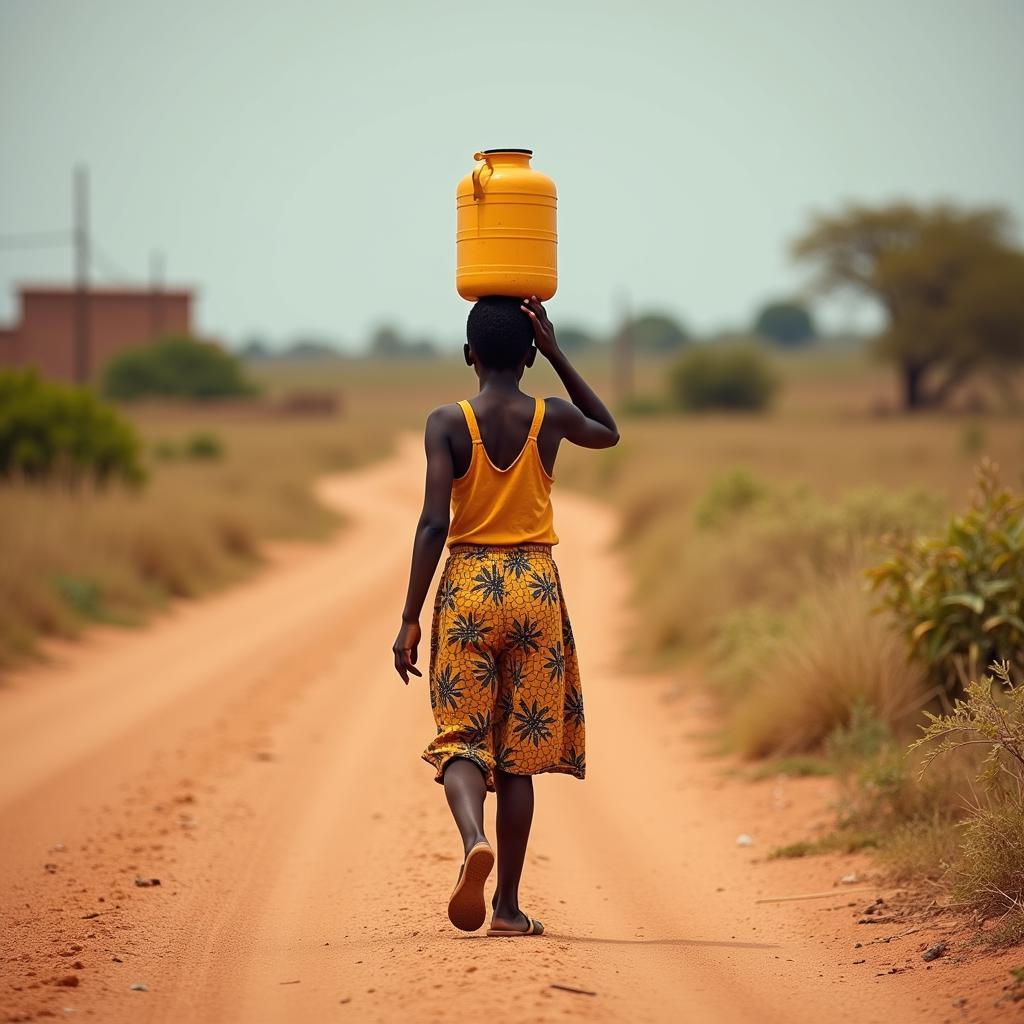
(428,541)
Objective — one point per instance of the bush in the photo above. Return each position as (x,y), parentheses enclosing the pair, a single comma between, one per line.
(989,874)
(57,431)
(785,323)
(176,367)
(959,597)
(729,495)
(204,446)
(710,377)
(987,718)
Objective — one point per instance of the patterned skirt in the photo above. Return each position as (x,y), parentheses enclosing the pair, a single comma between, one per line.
(504,679)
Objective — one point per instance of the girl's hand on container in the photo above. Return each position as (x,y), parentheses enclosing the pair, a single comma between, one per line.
(404,647)
(543,330)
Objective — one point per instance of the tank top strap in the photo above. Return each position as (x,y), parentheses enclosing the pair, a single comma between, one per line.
(474,427)
(538,419)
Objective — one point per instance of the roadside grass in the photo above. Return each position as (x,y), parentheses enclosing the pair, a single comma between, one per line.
(237,479)
(833,842)
(834,656)
(747,538)
(224,479)
(800,766)
(1008,931)
(745,535)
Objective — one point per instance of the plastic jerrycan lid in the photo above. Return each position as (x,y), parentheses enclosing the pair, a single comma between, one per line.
(482,155)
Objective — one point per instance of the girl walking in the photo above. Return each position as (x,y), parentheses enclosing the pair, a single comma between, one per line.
(504,679)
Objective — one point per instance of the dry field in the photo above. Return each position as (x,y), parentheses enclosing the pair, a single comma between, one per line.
(71,558)
(740,544)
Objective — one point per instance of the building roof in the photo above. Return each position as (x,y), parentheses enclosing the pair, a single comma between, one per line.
(101,291)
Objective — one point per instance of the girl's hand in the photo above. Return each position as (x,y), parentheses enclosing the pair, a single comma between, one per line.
(404,647)
(543,331)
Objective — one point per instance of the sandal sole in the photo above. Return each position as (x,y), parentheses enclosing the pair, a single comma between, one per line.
(467,908)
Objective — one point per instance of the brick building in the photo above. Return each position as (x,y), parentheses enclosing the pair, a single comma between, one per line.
(45,333)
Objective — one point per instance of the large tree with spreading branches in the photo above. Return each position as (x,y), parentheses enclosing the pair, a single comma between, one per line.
(950,281)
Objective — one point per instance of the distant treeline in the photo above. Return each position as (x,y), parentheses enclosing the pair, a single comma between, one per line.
(785,322)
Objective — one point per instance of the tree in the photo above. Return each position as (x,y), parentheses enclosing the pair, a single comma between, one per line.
(657,332)
(574,339)
(254,348)
(176,367)
(949,280)
(311,347)
(386,342)
(785,323)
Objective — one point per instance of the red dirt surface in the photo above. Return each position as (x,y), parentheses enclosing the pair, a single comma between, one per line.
(256,753)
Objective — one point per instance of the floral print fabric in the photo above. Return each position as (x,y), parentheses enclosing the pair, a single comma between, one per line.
(504,679)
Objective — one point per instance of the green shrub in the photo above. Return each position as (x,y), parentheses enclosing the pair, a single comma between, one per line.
(719,377)
(959,597)
(204,446)
(990,716)
(878,787)
(176,367)
(61,432)
(989,874)
(728,495)
(972,440)
(85,597)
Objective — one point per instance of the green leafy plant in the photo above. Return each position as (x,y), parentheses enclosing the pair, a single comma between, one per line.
(176,367)
(728,495)
(722,377)
(987,715)
(204,446)
(989,873)
(959,597)
(59,432)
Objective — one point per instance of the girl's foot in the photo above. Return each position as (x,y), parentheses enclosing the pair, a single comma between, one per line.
(466,906)
(515,924)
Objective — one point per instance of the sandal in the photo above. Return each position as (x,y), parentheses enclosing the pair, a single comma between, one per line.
(466,906)
(534,928)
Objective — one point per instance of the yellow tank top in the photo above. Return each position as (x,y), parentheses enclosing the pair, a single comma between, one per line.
(503,506)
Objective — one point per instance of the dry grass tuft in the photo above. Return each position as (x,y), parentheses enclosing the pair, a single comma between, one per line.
(989,874)
(836,655)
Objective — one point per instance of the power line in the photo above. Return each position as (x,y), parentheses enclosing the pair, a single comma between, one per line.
(108,266)
(99,260)
(35,239)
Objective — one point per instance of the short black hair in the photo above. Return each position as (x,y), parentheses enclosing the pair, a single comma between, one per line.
(499,332)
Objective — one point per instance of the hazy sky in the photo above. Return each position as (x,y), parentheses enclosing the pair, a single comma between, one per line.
(297,161)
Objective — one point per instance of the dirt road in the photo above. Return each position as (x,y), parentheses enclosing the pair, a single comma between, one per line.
(256,753)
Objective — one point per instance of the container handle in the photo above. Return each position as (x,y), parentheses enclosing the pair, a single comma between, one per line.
(478,188)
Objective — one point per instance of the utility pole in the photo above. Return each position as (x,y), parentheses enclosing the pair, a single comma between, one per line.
(82,360)
(156,287)
(622,351)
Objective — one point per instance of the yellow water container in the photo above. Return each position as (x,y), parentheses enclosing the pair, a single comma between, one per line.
(506,236)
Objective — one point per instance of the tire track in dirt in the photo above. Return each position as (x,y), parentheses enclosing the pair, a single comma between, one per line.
(256,752)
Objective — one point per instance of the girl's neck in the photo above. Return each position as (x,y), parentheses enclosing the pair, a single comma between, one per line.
(502,381)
